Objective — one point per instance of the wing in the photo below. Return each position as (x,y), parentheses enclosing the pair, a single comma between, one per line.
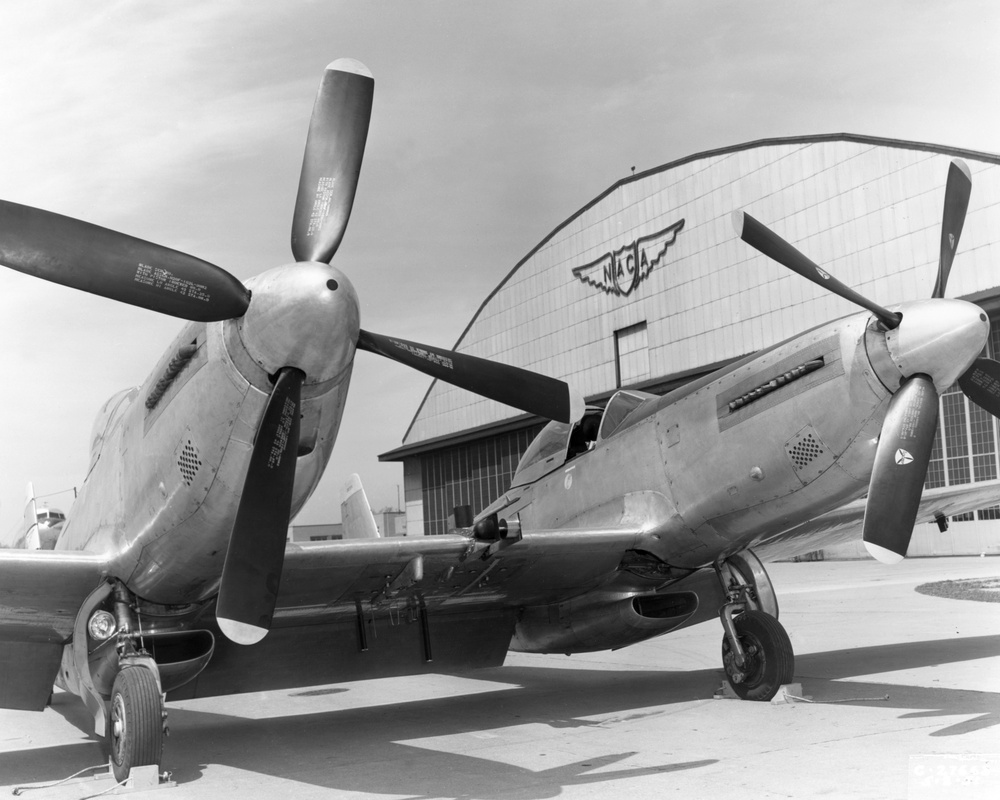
(844,524)
(366,608)
(450,571)
(41,592)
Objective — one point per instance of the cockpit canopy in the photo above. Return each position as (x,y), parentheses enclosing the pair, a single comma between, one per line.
(558,442)
(620,408)
(110,413)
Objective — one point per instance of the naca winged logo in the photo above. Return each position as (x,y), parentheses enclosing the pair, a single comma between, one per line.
(618,272)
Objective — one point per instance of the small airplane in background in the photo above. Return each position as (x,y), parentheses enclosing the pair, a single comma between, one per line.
(171,577)
(39,528)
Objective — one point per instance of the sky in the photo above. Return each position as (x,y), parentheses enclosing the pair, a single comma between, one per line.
(184,123)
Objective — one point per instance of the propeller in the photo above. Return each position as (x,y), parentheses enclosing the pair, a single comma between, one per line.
(956,203)
(773,246)
(981,384)
(252,570)
(111,264)
(331,165)
(901,459)
(907,437)
(529,391)
(327,185)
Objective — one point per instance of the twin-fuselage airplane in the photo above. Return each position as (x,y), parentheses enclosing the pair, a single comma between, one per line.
(171,576)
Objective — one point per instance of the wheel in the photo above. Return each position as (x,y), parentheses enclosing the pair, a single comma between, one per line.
(135,724)
(769,659)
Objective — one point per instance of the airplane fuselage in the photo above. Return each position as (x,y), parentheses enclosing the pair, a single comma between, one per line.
(735,458)
(166,521)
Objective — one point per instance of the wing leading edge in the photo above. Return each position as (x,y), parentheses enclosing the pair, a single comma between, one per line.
(450,571)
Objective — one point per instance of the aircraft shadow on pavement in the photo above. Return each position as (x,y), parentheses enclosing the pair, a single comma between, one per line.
(366,749)
(820,674)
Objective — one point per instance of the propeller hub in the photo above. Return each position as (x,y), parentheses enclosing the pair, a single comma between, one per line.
(939,338)
(303,315)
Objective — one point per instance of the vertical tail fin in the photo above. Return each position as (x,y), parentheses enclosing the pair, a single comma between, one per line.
(355,513)
(29,523)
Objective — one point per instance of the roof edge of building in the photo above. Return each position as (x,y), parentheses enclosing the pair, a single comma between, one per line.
(454,439)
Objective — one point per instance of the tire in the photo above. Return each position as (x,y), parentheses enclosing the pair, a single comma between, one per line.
(135,721)
(769,658)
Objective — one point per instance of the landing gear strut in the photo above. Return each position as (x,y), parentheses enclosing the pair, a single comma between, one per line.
(756,652)
(136,716)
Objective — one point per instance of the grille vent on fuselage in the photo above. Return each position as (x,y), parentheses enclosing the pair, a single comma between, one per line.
(809,454)
(805,451)
(188,462)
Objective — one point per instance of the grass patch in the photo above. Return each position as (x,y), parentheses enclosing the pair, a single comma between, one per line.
(984,590)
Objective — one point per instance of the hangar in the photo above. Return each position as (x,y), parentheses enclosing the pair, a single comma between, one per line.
(648,287)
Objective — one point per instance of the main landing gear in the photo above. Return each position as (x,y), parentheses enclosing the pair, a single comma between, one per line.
(756,652)
(122,669)
(118,680)
(137,719)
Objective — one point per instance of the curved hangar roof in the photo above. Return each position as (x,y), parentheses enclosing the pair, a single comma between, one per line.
(868,209)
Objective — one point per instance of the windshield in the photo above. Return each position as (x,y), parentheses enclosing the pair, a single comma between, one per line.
(544,454)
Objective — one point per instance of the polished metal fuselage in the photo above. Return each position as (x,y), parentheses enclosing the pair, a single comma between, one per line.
(736,458)
(169,458)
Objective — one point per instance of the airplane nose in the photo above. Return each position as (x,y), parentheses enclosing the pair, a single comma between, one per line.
(303,315)
(939,338)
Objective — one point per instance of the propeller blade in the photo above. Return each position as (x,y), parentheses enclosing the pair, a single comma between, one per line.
(956,204)
(528,391)
(901,458)
(252,572)
(981,384)
(111,264)
(765,241)
(332,161)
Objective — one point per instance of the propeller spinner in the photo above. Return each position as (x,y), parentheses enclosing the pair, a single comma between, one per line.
(933,343)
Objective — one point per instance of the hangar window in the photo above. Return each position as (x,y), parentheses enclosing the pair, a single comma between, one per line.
(631,355)
(474,474)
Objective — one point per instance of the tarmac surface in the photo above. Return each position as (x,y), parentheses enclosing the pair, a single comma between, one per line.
(905,692)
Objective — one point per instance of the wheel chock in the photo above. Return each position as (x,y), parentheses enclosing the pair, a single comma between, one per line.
(141,779)
(789,693)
